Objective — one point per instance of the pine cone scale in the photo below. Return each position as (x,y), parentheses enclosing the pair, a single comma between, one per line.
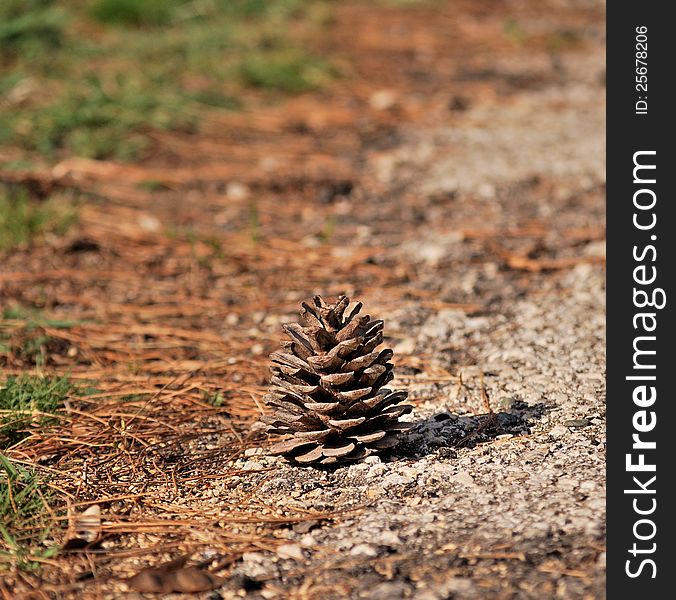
(309,457)
(339,451)
(336,379)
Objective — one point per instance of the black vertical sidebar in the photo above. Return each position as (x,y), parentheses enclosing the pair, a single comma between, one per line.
(641,295)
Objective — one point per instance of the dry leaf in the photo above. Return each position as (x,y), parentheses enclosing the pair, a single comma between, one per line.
(84,529)
(173,576)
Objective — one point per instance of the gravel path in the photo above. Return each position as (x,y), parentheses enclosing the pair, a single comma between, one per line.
(517,510)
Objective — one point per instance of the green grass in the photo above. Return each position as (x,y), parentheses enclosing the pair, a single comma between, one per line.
(27,402)
(291,72)
(96,79)
(132,12)
(31,348)
(514,32)
(31,26)
(254,223)
(26,520)
(152,185)
(102,119)
(214,398)
(35,318)
(555,41)
(23,220)
(23,336)
(20,164)
(215,98)
(327,230)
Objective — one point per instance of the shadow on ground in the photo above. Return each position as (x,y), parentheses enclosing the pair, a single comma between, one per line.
(445,432)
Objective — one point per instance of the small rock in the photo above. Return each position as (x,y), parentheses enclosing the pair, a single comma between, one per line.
(443,469)
(305,526)
(376,470)
(389,538)
(387,591)
(430,253)
(463,478)
(272,320)
(292,551)
(576,423)
(459,585)
(308,540)
(507,402)
(469,372)
(258,570)
(568,483)
(395,479)
(405,346)
(445,452)
(486,191)
(558,431)
(252,557)
(149,223)
(364,550)
(236,191)
(588,486)
(250,465)
(357,468)
(382,99)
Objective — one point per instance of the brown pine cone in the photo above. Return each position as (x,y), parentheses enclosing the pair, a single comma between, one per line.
(327,387)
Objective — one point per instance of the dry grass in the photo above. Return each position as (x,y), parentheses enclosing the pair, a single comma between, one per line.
(173,391)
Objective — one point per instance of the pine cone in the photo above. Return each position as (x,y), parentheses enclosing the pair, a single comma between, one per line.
(327,387)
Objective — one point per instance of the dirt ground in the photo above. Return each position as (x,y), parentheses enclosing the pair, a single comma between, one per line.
(453,181)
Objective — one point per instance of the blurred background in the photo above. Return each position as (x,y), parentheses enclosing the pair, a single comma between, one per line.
(176,176)
(237,155)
